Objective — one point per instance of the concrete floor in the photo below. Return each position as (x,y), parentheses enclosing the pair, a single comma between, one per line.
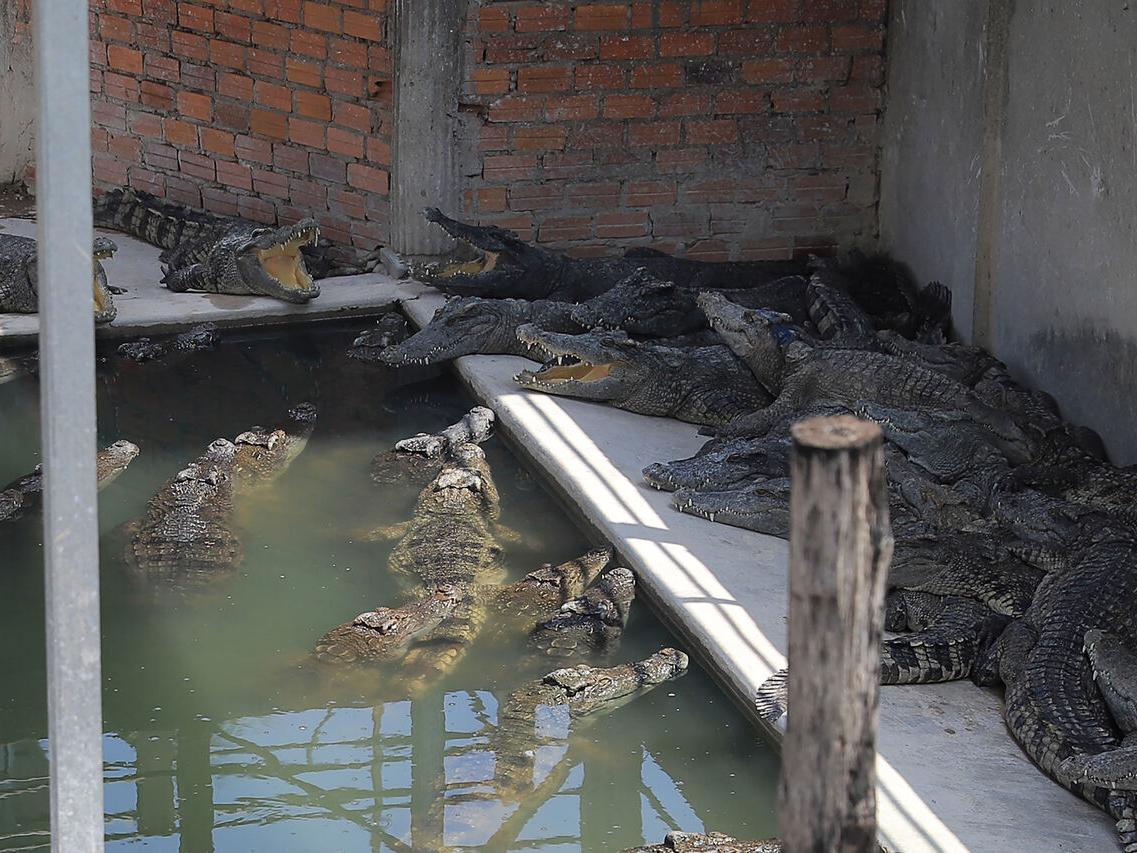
(147,307)
(950,777)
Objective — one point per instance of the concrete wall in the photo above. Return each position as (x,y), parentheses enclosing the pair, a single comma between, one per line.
(17,93)
(1009,171)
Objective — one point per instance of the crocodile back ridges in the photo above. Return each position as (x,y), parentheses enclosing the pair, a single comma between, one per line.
(719,389)
(157,222)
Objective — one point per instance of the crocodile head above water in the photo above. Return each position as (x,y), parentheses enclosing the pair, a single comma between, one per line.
(587,690)
(380,633)
(269,260)
(264,454)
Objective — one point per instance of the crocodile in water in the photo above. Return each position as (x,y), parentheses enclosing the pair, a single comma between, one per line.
(25,493)
(418,459)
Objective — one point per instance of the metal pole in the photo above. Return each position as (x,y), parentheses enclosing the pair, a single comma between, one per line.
(67,413)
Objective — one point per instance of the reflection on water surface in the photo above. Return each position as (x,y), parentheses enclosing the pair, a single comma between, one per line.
(222,735)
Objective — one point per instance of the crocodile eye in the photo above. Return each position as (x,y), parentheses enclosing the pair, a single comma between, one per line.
(258,232)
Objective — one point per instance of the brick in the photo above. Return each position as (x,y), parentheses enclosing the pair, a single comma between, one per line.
(677,161)
(340,81)
(233,27)
(493,19)
(683,224)
(197,166)
(308,44)
(858,37)
(160,12)
(593,195)
(685,104)
(628,106)
(773,11)
(217,141)
(666,75)
(345,142)
(711,191)
(290,158)
(535,197)
(284,10)
(802,40)
(544,78)
(308,197)
(543,18)
(122,87)
(162,157)
(313,105)
(642,14)
(627,47)
(194,105)
(830,11)
(124,146)
(145,125)
(565,229)
(744,101)
(491,81)
(362,26)
(671,14)
(654,133)
(109,171)
(179,132)
(868,69)
(573,163)
(322,16)
(348,52)
(271,124)
(270,35)
(347,202)
(597,134)
(601,16)
(686,44)
(252,8)
(231,116)
(715,13)
(264,64)
(509,167)
(156,95)
(233,85)
(309,133)
(190,46)
(591,77)
(109,115)
(519,49)
(854,98)
(572,46)
(710,72)
(491,199)
(193,17)
(252,149)
(798,101)
(754,41)
(234,175)
(368,178)
(272,96)
(622,225)
(768,71)
(256,209)
(114,28)
(327,168)
(547,137)
(352,116)
(163,68)
(712,132)
(708,250)
(227,54)
(571,108)
(151,182)
(649,193)
(823,69)
(183,191)
(378,150)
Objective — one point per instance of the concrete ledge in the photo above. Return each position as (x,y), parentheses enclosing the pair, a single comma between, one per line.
(950,776)
(147,307)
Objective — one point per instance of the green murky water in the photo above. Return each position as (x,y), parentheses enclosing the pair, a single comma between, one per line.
(217,737)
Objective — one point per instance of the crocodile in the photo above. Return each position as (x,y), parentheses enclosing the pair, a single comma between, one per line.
(198,338)
(418,459)
(1052,706)
(216,254)
(542,592)
(453,539)
(391,329)
(385,632)
(19,277)
(513,268)
(469,325)
(714,842)
(1077,477)
(705,385)
(547,709)
(643,304)
(187,537)
(724,463)
(592,622)
(25,494)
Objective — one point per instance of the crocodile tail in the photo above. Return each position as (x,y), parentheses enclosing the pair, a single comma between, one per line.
(926,657)
(1122,807)
(149,218)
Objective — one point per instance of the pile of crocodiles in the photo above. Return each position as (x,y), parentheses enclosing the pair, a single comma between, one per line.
(1016,553)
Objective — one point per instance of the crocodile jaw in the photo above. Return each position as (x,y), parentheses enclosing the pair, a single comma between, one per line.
(278,269)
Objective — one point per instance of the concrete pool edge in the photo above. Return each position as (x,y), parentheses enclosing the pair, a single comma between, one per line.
(949,775)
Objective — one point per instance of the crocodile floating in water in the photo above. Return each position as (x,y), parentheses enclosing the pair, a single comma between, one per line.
(469,325)
(705,385)
(19,277)
(515,269)
(552,707)
(216,254)
(543,591)
(187,537)
(383,633)
(195,340)
(418,459)
(25,494)
(714,842)
(591,623)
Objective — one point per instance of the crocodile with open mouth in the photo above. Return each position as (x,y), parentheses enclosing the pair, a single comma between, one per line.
(187,536)
(512,268)
(216,254)
(25,493)
(704,385)
(19,277)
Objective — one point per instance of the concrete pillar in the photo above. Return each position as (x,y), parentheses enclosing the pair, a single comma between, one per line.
(425,143)
(17,96)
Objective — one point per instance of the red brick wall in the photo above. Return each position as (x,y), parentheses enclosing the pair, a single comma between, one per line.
(268,109)
(715,128)
(718,128)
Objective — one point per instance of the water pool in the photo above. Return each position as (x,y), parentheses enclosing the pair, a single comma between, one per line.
(219,735)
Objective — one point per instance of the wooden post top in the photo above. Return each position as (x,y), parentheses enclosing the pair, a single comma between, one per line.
(841,432)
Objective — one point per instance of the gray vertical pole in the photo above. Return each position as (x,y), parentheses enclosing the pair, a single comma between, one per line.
(67,413)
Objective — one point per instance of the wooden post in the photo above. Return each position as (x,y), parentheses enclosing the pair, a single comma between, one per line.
(840,547)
